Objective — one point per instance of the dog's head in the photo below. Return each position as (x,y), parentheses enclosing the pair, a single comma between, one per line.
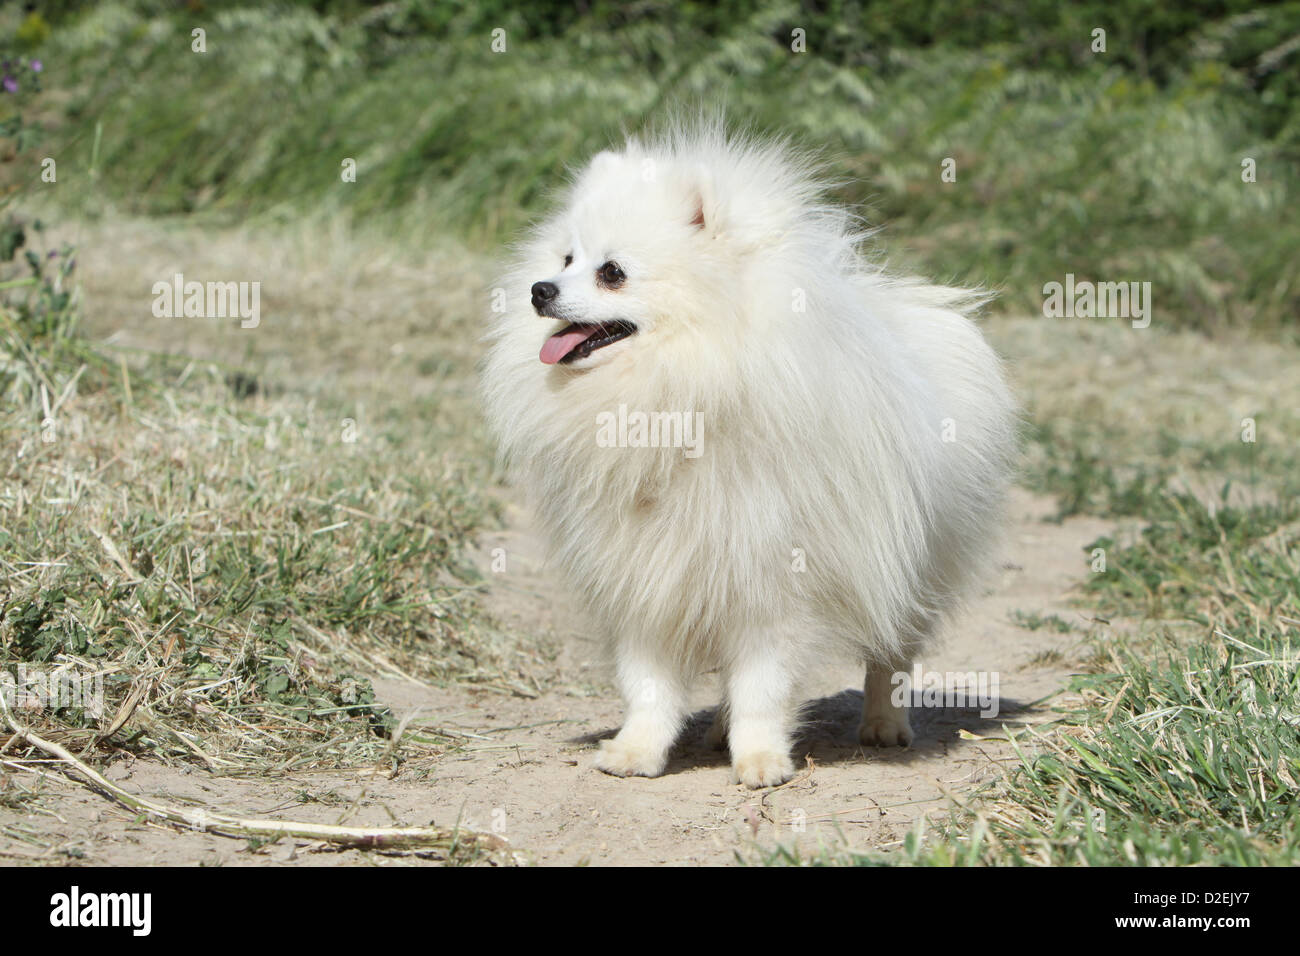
(635,253)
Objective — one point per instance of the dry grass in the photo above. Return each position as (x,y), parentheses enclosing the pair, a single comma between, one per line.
(201,531)
(1117,414)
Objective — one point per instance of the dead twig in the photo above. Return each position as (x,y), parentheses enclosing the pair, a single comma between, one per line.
(382,838)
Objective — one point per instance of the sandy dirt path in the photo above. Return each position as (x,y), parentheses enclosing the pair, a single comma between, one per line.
(524,770)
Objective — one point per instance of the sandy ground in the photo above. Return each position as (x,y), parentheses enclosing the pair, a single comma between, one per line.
(525,771)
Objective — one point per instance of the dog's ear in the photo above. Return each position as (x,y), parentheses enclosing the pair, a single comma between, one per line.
(704,208)
(697,220)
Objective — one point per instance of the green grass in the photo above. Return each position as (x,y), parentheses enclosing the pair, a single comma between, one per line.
(1114,468)
(1090,166)
(1033,621)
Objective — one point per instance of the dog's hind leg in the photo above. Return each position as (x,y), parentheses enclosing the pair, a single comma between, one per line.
(884,722)
(656,698)
(716,738)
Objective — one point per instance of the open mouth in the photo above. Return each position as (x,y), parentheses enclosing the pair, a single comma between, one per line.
(579,340)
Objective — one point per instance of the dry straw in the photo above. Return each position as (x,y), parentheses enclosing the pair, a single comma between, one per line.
(374,838)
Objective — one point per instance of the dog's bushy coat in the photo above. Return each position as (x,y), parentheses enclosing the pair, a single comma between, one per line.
(857,436)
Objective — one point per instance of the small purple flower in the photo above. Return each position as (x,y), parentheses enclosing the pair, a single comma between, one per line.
(10,85)
(37,66)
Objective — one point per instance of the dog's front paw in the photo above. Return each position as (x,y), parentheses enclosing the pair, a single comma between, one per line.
(892,730)
(625,758)
(762,768)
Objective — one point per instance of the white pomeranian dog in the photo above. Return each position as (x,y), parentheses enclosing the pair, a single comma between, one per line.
(750,449)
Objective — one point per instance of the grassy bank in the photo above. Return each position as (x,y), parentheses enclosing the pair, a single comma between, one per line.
(1118,165)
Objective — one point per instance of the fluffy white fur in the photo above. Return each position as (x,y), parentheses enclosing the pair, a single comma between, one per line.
(825,387)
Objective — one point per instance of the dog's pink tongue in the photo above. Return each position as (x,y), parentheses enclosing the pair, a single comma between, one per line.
(562,343)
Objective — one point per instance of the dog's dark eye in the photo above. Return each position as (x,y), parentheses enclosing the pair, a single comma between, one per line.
(568,260)
(610,275)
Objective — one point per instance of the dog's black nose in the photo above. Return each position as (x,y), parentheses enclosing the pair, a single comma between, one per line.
(543,294)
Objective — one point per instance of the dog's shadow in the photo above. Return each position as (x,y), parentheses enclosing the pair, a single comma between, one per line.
(828,732)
